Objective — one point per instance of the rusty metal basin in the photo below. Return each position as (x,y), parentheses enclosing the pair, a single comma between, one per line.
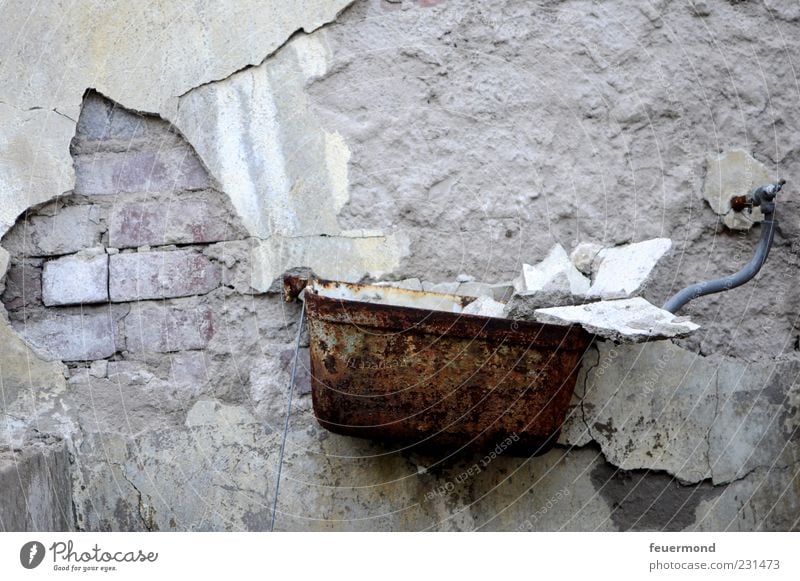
(407,367)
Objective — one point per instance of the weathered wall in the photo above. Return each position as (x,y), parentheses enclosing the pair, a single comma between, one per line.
(37,487)
(402,139)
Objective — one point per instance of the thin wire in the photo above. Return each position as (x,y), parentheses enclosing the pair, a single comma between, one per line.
(288,414)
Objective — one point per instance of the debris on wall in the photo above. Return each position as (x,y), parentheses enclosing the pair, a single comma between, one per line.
(619,320)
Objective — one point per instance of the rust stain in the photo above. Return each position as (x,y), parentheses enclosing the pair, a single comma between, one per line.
(437,379)
(293,285)
(739,203)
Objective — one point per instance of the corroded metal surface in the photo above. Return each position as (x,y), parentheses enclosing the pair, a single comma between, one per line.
(293,285)
(437,379)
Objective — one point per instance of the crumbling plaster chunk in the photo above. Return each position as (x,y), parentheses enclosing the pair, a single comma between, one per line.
(485,307)
(583,256)
(621,272)
(734,173)
(205,44)
(474,289)
(555,273)
(657,406)
(80,278)
(285,174)
(524,305)
(35,162)
(630,320)
(648,406)
(332,257)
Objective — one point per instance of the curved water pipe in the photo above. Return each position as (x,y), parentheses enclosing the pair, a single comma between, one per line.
(763,197)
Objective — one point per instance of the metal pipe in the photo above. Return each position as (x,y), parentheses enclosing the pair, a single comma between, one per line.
(764,197)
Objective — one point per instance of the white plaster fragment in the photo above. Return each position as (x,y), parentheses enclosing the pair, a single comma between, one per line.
(333,257)
(629,320)
(621,271)
(485,307)
(555,273)
(583,256)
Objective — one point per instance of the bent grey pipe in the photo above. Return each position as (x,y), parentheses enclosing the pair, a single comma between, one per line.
(764,197)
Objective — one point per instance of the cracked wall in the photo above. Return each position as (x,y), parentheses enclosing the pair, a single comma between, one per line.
(410,139)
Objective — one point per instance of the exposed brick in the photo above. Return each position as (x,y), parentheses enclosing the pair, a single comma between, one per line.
(102,119)
(105,126)
(71,334)
(170,222)
(23,285)
(167,170)
(158,275)
(76,279)
(70,229)
(160,328)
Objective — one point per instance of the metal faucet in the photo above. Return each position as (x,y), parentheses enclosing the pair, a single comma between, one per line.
(764,198)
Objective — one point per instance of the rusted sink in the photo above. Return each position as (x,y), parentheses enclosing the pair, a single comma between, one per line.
(407,367)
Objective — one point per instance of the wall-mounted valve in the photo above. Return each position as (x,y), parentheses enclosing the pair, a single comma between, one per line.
(764,198)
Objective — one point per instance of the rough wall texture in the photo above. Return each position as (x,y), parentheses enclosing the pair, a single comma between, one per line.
(404,139)
(37,486)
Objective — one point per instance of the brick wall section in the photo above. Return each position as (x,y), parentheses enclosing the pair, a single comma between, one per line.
(72,333)
(153,223)
(64,231)
(113,270)
(80,278)
(162,275)
(170,170)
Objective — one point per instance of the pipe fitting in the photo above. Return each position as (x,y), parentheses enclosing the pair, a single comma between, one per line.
(763,196)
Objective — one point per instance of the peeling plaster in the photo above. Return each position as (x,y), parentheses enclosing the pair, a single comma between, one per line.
(659,407)
(207,71)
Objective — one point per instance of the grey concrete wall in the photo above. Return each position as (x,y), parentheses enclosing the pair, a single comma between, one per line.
(394,140)
(37,487)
